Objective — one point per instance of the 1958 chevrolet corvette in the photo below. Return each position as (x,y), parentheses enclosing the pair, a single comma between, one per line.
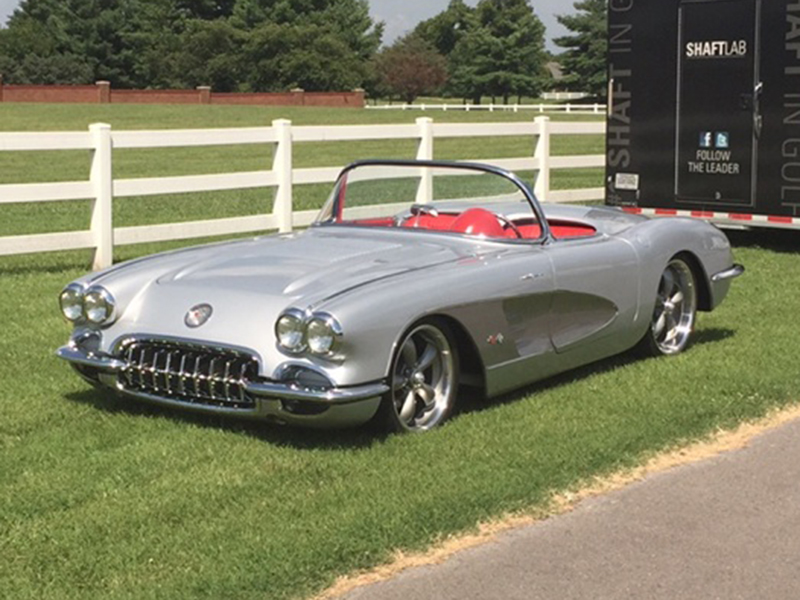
(416,277)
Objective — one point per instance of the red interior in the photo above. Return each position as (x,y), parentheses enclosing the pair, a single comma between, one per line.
(481,222)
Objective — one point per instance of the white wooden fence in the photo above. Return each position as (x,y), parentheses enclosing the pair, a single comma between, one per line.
(559,96)
(101,188)
(578,109)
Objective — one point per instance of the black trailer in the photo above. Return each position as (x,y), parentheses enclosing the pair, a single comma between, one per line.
(704,110)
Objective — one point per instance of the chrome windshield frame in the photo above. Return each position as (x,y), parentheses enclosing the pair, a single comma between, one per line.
(527,192)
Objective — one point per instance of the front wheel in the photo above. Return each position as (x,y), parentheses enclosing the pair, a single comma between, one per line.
(674,314)
(424,379)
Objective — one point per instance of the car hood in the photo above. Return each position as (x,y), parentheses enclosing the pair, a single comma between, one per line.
(312,265)
(249,283)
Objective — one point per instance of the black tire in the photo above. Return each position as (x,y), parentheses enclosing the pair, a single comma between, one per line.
(423,379)
(672,324)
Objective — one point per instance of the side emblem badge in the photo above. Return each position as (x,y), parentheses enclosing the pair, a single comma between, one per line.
(198,315)
(496,340)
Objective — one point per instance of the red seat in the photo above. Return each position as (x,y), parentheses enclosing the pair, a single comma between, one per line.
(479,222)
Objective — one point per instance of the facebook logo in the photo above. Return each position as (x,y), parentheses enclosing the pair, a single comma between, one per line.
(706,139)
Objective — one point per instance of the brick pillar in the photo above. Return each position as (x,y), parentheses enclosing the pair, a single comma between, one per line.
(359,99)
(1,87)
(103,92)
(298,97)
(204,92)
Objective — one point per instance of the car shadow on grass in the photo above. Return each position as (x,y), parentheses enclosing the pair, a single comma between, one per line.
(361,437)
(365,436)
(474,402)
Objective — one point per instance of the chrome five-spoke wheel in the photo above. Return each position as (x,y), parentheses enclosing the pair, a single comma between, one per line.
(675,309)
(424,379)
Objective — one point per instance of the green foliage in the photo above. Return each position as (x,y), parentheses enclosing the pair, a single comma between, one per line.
(320,45)
(410,68)
(584,62)
(210,54)
(446,29)
(495,49)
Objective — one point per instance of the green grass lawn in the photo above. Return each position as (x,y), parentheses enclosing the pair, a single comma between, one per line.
(106,498)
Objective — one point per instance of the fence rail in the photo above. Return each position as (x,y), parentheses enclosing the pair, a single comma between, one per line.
(578,109)
(101,188)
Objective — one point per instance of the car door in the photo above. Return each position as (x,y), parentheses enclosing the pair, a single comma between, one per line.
(596,296)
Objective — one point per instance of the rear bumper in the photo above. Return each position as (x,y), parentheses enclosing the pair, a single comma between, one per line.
(279,402)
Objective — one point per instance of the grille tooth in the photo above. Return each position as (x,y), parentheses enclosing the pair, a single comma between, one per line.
(227,378)
(191,374)
(212,382)
(182,376)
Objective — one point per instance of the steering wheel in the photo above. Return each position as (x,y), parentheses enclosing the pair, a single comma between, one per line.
(416,211)
(508,223)
(424,209)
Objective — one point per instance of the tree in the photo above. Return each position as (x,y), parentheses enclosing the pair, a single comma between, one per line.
(410,68)
(446,29)
(100,39)
(211,54)
(502,54)
(281,57)
(248,45)
(584,62)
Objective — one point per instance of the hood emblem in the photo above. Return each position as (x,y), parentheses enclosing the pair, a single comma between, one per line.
(198,315)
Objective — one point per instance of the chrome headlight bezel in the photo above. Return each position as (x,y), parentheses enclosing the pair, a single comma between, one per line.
(292,321)
(318,334)
(323,334)
(71,297)
(97,298)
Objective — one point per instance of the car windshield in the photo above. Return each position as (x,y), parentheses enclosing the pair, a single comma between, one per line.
(460,199)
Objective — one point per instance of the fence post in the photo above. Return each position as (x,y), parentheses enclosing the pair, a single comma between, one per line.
(542,186)
(282,167)
(425,152)
(102,227)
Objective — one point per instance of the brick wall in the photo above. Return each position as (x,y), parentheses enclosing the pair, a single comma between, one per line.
(102,93)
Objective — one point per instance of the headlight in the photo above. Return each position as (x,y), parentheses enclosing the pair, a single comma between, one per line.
(322,333)
(290,331)
(298,332)
(71,300)
(98,305)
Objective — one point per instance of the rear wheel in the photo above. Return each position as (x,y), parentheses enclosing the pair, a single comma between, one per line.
(674,314)
(424,379)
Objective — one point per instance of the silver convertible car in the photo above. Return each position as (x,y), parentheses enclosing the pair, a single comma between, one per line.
(416,279)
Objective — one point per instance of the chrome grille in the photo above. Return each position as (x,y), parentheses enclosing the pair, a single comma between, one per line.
(185,373)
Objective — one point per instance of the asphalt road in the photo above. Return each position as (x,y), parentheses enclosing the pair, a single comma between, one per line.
(725,528)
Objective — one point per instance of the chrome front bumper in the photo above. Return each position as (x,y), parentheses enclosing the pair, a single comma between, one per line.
(272,401)
(721,283)
(728,274)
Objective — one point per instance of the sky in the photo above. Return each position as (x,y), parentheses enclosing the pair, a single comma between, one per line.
(401,16)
